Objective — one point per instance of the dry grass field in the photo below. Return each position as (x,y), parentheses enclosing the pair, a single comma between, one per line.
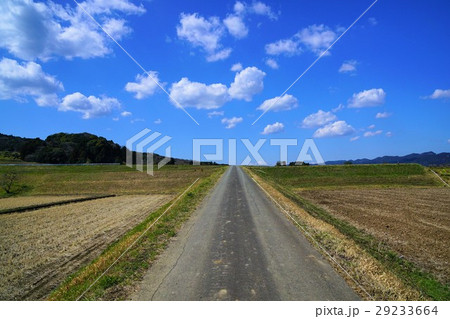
(26,201)
(413,222)
(102,180)
(39,249)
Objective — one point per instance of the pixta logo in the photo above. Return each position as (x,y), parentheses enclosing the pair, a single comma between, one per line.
(147,143)
(253,150)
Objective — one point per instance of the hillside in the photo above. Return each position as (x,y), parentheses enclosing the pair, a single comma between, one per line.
(426,159)
(64,148)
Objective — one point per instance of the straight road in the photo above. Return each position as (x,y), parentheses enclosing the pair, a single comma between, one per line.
(239,246)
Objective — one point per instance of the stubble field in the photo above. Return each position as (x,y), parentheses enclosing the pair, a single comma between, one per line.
(413,222)
(39,249)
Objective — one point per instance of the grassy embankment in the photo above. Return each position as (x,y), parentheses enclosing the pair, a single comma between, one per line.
(290,181)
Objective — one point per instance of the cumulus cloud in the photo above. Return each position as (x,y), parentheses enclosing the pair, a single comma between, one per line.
(203,33)
(220,55)
(372,21)
(440,94)
(236,67)
(144,86)
(338,128)
(36,30)
(388,134)
(354,138)
(318,119)
(20,80)
(285,103)
(199,95)
(371,127)
(372,133)
(261,8)
(207,33)
(236,26)
(232,122)
(247,83)
(89,106)
(367,98)
(126,114)
(271,63)
(348,67)
(287,47)
(317,38)
(383,115)
(116,28)
(157,121)
(276,127)
(215,113)
(314,38)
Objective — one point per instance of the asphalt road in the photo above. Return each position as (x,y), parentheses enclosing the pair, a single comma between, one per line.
(239,246)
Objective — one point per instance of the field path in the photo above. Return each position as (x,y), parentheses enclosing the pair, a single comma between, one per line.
(239,246)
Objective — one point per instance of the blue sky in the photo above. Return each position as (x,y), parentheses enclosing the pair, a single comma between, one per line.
(383,89)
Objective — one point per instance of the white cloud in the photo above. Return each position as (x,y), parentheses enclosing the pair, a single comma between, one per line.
(383,115)
(116,28)
(126,114)
(107,6)
(158,121)
(272,64)
(314,38)
(247,83)
(318,119)
(338,128)
(235,26)
(285,103)
(355,138)
(287,47)
(367,98)
(262,9)
(372,133)
(372,21)
(236,67)
(215,113)
(338,108)
(204,33)
(317,38)
(440,94)
(31,30)
(276,127)
(199,95)
(388,134)
(348,66)
(239,8)
(232,122)
(89,106)
(144,86)
(18,81)
(371,127)
(220,55)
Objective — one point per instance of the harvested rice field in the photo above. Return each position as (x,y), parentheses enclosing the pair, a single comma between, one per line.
(39,249)
(415,222)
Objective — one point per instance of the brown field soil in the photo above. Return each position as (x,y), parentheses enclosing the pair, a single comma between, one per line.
(25,201)
(415,222)
(39,249)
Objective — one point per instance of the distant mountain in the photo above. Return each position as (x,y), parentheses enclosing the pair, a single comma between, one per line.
(64,148)
(426,159)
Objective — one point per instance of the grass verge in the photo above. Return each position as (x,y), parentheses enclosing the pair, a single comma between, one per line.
(120,280)
(405,271)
